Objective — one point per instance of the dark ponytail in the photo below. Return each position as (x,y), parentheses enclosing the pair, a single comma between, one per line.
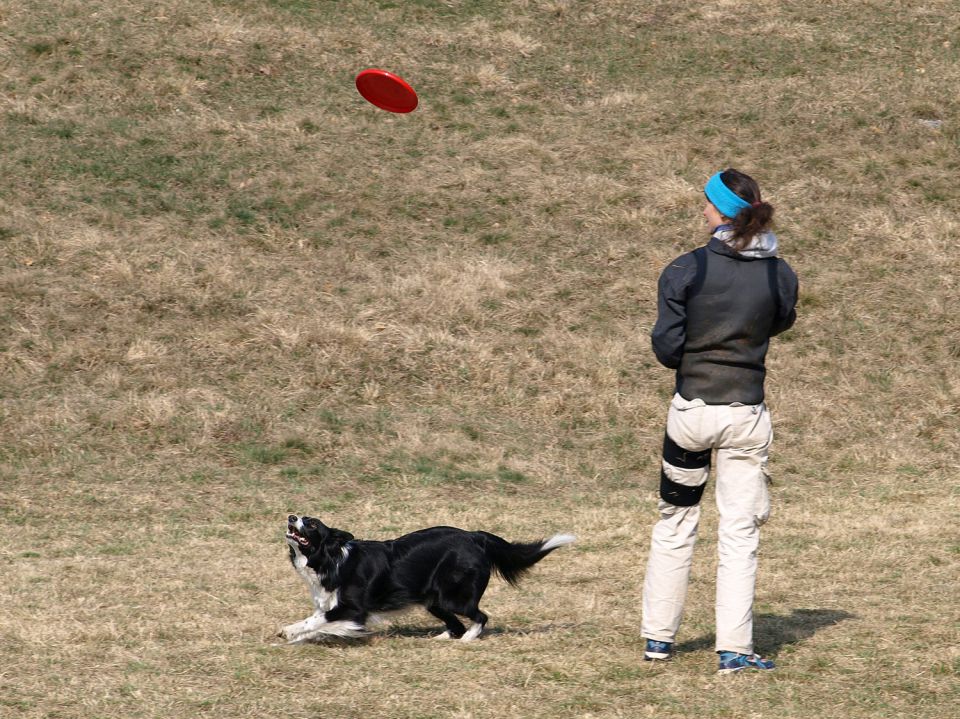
(751,220)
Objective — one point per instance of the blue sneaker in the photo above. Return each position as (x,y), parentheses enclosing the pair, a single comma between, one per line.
(731,662)
(657,651)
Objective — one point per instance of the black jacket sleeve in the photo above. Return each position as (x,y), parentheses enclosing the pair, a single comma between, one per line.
(670,331)
(787,285)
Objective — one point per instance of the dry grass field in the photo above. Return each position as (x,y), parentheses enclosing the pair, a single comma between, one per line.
(231,289)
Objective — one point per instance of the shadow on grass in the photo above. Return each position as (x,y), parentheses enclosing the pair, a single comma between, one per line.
(429,632)
(773,631)
(415,632)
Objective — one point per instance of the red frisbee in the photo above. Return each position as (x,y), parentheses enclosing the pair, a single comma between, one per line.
(386,91)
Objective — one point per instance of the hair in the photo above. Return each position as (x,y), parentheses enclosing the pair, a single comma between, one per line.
(751,220)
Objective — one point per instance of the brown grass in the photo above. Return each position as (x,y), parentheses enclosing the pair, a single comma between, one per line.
(230,289)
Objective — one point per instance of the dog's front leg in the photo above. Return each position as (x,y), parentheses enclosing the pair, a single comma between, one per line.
(300,630)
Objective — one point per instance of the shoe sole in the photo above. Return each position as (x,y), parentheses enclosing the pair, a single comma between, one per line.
(656,657)
(734,670)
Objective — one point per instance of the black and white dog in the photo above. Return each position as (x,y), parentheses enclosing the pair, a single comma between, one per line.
(443,569)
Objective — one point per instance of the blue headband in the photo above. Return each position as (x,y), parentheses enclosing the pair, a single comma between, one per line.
(723,198)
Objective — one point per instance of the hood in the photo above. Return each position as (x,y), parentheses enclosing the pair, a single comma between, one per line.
(762,245)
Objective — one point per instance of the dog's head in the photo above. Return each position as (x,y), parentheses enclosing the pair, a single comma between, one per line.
(307,536)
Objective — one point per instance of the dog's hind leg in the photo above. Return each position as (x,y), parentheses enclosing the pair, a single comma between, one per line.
(455,628)
(460,594)
(479,622)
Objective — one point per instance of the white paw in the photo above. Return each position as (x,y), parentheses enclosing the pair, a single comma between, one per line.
(291,633)
(445,635)
(472,633)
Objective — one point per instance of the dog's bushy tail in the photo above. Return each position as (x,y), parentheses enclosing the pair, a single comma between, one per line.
(513,559)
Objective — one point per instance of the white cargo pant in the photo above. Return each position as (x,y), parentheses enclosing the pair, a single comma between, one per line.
(741,436)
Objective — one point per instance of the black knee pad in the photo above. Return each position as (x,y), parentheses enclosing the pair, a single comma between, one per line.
(679,495)
(682,495)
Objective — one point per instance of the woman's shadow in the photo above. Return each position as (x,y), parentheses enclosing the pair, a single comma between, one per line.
(773,631)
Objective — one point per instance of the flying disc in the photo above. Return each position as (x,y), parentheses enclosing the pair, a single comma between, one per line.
(386,90)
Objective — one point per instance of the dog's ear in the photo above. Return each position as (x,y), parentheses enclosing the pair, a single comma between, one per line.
(332,548)
(339,536)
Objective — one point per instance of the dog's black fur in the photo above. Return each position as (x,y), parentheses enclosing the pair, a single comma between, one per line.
(444,569)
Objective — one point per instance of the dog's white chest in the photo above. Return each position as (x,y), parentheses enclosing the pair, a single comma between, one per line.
(322,599)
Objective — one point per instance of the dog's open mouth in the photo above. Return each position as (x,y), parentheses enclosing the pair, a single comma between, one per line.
(293,534)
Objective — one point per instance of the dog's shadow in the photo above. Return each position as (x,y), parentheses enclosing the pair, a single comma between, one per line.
(401,631)
(431,632)
(773,631)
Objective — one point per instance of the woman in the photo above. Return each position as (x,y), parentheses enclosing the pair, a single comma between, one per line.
(717,309)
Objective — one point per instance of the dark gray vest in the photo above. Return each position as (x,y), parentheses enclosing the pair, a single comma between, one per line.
(730,307)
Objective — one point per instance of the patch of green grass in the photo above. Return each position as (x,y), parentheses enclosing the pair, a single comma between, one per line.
(115,550)
(494,238)
(332,421)
(471,432)
(264,454)
(446,470)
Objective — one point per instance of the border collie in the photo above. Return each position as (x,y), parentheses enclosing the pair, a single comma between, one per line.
(443,569)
